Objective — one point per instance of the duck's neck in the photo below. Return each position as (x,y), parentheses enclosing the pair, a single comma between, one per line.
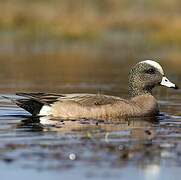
(134,91)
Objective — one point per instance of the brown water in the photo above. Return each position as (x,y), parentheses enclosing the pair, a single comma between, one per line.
(129,149)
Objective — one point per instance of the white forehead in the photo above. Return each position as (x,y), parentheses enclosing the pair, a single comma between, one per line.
(154,64)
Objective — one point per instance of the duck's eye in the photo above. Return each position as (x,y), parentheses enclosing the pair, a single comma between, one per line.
(150,71)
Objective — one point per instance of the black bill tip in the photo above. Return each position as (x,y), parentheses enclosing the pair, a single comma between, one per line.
(176,87)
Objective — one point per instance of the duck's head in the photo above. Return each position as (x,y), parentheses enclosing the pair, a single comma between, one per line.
(145,75)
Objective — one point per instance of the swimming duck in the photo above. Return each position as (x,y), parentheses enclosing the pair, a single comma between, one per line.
(143,77)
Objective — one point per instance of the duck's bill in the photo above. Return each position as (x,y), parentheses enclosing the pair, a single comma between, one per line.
(167,83)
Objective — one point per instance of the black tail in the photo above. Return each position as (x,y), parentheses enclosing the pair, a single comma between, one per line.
(30,105)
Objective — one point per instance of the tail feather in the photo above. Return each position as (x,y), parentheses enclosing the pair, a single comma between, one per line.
(31,105)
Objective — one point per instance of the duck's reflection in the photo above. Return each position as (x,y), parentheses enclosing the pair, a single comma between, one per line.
(117,143)
(138,128)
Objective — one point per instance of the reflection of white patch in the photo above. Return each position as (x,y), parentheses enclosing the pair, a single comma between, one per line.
(152,171)
(45,111)
(154,64)
(167,83)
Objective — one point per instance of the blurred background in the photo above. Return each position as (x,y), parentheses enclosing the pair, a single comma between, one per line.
(85,45)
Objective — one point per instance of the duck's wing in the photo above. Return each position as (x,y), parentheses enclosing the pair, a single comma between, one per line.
(90,99)
(82,99)
(35,102)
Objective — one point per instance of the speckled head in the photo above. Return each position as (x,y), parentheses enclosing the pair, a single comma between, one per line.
(144,76)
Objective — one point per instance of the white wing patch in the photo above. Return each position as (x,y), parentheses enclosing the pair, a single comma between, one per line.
(154,64)
(45,111)
(45,120)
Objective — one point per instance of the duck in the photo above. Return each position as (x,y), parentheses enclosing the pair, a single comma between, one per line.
(142,79)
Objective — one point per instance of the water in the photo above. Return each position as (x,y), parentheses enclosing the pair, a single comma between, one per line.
(141,148)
